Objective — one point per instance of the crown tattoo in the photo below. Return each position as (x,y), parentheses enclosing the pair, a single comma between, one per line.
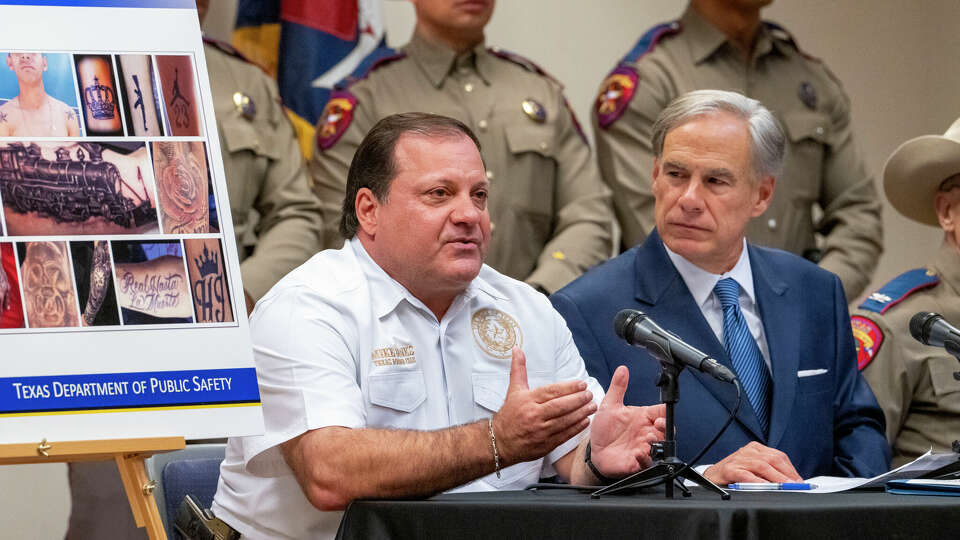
(100,100)
(207,263)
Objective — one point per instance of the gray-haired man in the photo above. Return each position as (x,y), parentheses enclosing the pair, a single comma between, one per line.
(778,321)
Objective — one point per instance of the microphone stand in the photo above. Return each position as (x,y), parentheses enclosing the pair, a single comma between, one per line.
(668,467)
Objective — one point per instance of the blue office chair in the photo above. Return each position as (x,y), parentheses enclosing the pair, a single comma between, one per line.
(193,470)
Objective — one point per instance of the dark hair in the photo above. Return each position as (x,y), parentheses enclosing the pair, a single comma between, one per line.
(373,166)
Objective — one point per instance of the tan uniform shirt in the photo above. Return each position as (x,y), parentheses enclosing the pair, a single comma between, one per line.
(823,166)
(265,172)
(550,212)
(913,382)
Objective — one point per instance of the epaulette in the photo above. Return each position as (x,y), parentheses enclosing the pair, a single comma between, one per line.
(898,289)
(649,40)
(377,58)
(523,62)
(228,49)
(783,34)
(617,89)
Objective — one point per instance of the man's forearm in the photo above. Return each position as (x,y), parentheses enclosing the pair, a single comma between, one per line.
(336,465)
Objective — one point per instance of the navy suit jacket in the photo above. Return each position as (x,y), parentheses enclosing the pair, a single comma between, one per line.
(828,422)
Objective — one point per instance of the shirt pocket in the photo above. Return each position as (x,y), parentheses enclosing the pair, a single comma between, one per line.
(248,154)
(941,377)
(402,391)
(532,171)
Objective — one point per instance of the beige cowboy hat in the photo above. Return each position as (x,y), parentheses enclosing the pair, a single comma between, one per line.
(916,169)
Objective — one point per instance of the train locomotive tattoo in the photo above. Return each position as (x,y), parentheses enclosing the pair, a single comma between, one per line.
(70,189)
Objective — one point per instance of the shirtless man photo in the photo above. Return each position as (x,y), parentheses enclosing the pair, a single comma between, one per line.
(34,112)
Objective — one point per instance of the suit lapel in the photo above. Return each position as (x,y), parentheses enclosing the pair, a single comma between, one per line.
(659,285)
(780,327)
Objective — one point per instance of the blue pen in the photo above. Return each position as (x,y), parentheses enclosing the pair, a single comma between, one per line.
(763,486)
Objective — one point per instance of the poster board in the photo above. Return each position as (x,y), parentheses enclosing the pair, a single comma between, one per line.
(115,175)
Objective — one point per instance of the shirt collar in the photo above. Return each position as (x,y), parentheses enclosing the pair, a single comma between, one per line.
(706,39)
(438,61)
(947,264)
(387,293)
(701,282)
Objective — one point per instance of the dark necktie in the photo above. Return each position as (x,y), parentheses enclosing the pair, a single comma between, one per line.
(744,352)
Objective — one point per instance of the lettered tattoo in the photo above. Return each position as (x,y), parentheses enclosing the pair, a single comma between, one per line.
(99,281)
(211,296)
(181,173)
(47,289)
(152,292)
(3,118)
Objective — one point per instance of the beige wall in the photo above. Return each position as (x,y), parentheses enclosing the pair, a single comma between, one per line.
(897,61)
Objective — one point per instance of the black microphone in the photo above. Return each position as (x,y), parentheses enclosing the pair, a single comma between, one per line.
(932,329)
(639,330)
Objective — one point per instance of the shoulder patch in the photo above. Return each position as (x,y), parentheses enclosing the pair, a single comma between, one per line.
(523,62)
(335,118)
(617,89)
(380,57)
(869,338)
(898,289)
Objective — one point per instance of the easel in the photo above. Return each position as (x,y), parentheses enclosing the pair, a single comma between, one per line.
(129,455)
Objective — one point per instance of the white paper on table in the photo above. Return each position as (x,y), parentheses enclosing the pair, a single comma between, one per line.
(926,463)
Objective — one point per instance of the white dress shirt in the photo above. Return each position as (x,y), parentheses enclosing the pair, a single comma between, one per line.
(338,342)
(701,284)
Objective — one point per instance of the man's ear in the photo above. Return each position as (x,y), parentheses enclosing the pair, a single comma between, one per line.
(367,207)
(764,195)
(44,57)
(9,62)
(943,202)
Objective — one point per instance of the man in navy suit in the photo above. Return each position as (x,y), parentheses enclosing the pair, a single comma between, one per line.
(779,322)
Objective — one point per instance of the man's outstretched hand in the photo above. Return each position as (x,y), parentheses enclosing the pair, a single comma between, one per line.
(621,435)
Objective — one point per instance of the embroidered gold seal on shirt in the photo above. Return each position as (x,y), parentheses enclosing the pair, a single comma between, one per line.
(496,332)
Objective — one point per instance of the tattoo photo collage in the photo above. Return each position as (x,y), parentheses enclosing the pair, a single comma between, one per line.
(107,209)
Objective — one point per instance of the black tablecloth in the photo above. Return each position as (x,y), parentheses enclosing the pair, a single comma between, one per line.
(569,514)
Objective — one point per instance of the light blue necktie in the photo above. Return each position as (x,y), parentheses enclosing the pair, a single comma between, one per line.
(744,352)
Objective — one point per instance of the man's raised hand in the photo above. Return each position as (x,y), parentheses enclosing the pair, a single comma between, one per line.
(621,435)
(531,423)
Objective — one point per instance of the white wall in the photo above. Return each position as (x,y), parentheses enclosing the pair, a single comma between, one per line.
(897,61)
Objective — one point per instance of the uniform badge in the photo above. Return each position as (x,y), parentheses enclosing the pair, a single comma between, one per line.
(615,94)
(534,110)
(245,105)
(496,332)
(808,95)
(336,116)
(869,337)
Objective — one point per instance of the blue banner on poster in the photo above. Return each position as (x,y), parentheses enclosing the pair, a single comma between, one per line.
(60,393)
(170,4)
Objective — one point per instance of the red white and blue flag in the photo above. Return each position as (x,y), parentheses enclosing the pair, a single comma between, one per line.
(309,45)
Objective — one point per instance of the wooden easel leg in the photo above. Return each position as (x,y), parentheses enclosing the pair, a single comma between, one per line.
(140,494)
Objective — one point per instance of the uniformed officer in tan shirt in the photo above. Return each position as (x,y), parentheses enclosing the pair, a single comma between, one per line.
(277,226)
(913,382)
(550,212)
(723,44)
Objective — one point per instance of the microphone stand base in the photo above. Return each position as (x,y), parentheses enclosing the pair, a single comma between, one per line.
(672,471)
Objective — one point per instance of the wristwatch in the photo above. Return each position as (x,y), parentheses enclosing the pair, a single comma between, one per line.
(593,468)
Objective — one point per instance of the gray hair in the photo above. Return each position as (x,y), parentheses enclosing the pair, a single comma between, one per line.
(768,143)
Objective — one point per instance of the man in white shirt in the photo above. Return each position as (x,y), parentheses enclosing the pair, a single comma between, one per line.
(401,366)
(778,321)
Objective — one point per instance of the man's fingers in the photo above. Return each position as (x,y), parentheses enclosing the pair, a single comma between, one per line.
(657,413)
(565,404)
(548,392)
(518,371)
(617,388)
(782,464)
(768,472)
